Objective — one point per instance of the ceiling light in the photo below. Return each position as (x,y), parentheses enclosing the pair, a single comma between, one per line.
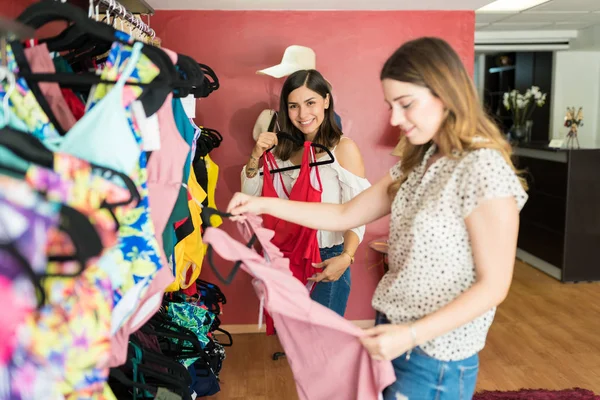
(511,5)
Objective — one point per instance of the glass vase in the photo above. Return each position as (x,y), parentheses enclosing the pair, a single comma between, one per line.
(519,133)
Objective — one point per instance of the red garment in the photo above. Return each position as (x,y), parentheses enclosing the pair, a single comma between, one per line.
(192,289)
(324,351)
(297,243)
(74,103)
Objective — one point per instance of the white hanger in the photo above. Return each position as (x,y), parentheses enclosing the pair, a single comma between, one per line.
(6,74)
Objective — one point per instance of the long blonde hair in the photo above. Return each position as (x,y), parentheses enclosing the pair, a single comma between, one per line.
(432,63)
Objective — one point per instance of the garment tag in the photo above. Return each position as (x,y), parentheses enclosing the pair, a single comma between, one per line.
(309,285)
(556,143)
(165,394)
(189,105)
(261,311)
(149,128)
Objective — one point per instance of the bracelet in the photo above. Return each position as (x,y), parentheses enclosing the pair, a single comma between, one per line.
(413,335)
(350,255)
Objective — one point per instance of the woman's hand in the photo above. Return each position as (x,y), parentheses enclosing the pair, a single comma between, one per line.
(265,141)
(333,269)
(387,341)
(242,203)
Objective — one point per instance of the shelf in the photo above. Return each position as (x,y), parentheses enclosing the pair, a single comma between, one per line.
(133,6)
(496,70)
(137,6)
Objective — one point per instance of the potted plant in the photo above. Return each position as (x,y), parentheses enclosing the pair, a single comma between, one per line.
(521,107)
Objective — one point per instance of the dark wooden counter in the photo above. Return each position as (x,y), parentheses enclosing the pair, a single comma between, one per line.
(560,224)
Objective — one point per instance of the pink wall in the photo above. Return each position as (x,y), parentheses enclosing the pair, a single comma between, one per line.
(351,48)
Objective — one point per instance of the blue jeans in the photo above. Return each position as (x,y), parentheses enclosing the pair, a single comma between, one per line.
(423,377)
(333,295)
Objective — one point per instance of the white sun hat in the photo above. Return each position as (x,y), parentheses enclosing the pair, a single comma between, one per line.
(295,58)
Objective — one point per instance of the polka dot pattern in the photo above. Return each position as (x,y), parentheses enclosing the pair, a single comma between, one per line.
(430,257)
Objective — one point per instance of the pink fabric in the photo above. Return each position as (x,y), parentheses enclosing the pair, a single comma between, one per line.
(320,345)
(165,167)
(10,320)
(149,304)
(40,62)
(165,172)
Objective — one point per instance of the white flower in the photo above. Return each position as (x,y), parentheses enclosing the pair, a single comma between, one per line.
(535,90)
(520,103)
(506,103)
(541,101)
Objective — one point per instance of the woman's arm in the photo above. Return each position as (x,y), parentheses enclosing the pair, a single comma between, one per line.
(493,228)
(250,177)
(251,185)
(368,206)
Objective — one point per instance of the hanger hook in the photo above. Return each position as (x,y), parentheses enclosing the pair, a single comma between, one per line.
(113,6)
(108,14)
(5,73)
(122,17)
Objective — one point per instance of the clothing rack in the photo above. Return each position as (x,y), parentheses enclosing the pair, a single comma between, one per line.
(122,12)
(165,344)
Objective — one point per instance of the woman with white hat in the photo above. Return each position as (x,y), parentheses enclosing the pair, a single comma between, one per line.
(306,111)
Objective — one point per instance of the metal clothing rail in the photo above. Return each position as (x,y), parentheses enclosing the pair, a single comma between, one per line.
(115,8)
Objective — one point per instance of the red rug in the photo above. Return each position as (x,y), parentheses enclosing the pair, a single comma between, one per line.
(538,394)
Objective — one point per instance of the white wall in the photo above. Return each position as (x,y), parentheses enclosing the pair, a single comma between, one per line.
(576,84)
(587,39)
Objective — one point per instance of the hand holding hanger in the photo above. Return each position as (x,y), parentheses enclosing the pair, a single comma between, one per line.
(265,142)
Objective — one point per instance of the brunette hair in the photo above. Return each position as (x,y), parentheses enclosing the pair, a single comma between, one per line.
(329,133)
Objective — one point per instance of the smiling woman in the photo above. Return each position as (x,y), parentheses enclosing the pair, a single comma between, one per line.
(306,112)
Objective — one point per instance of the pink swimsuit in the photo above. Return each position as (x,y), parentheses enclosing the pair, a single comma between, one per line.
(320,345)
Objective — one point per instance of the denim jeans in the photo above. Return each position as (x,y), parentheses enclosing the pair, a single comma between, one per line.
(423,377)
(333,295)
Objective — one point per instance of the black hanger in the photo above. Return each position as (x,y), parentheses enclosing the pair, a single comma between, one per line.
(26,146)
(11,249)
(161,359)
(211,296)
(206,142)
(164,328)
(207,212)
(29,148)
(224,332)
(298,141)
(214,135)
(121,377)
(84,237)
(41,13)
(176,379)
(193,76)
(207,87)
